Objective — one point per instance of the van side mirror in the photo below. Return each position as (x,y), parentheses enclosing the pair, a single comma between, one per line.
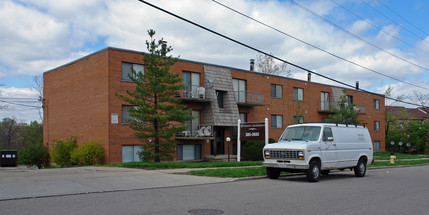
(331,139)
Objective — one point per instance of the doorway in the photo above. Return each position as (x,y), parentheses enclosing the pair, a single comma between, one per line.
(218,146)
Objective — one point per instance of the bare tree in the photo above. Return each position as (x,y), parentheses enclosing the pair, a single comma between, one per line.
(2,106)
(420,98)
(267,64)
(38,86)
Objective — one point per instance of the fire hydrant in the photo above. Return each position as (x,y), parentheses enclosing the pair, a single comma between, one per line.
(392,158)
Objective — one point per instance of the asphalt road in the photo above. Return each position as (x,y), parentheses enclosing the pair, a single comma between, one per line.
(383,191)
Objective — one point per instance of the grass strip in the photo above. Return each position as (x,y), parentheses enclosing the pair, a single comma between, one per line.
(231,172)
(176,165)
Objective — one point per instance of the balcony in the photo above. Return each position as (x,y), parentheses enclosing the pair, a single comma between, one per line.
(247,98)
(329,107)
(196,132)
(193,93)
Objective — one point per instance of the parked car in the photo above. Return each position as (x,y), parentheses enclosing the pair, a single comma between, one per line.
(317,148)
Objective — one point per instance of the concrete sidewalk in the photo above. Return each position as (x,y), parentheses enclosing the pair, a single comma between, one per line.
(20,182)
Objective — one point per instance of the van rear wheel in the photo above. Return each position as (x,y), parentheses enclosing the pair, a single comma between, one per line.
(360,169)
(313,173)
(273,173)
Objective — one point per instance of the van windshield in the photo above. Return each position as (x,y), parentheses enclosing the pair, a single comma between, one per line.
(304,133)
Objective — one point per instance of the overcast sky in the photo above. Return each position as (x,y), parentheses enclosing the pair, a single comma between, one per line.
(386,36)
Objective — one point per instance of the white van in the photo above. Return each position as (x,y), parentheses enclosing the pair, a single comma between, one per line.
(316,148)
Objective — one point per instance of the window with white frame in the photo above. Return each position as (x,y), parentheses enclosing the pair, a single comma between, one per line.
(131,153)
(126,113)
(376,146)
(276,91)
(193,125)
(376,125)
(376,104)
(239,89)
(298,94)
(349,99)
(191,80)
(276,121)
(127,70)
(189,152)
(324,101)
(243,117)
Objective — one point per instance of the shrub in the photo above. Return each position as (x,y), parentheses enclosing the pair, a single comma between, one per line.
(89,153)
(61,151)
(252,150)
(34,154)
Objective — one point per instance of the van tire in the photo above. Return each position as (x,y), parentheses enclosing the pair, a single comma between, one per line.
(325,172)
(360,169)
(273,173)
(313,172)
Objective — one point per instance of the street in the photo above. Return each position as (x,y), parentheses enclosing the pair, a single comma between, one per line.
(402,190)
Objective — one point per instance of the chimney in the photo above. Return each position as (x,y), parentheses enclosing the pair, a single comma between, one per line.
(309,76)
(252,64)
(357,85)
(164,48)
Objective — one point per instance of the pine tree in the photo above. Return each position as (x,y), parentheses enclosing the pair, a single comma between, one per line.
(155,107)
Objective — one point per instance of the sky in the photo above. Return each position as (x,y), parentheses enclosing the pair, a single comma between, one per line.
(387,41)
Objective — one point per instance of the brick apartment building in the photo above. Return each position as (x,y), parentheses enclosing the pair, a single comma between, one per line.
(80,101)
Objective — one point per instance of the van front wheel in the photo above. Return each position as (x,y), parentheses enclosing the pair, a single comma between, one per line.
(313,173)
(360,169)
(273,173)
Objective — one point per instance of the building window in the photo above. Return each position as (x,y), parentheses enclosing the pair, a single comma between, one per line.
(298,94)
(276,91)
(126,113)
(131,154)
(193,125)
(239,89)
(220,95)
(298,119)
(376,125)
(243,117)
(191,80)
(349,100)
(189,152)
(324,101)
(376,104)
(376,146)
(276,121)
(127,72)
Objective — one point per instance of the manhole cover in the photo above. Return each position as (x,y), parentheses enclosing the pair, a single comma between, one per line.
(205,211)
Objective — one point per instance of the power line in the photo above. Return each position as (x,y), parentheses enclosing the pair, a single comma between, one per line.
(316,47)
(378,28)
(379,12)
(19,104)
(354,35)
(397,14)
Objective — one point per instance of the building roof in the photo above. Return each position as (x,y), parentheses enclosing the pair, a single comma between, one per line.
(420,113)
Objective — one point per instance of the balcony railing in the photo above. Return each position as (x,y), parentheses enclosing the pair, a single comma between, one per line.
(193,93)
(248,98)
(329,107)
(196,131)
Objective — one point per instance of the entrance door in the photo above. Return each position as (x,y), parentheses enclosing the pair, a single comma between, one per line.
(218,146)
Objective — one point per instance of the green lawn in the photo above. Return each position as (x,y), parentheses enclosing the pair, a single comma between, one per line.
(176,165)
(254,168)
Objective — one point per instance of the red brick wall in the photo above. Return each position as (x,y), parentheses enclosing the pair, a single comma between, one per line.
(80,98)
(76,101)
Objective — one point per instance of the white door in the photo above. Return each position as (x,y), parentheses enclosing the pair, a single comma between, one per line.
(329,149)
